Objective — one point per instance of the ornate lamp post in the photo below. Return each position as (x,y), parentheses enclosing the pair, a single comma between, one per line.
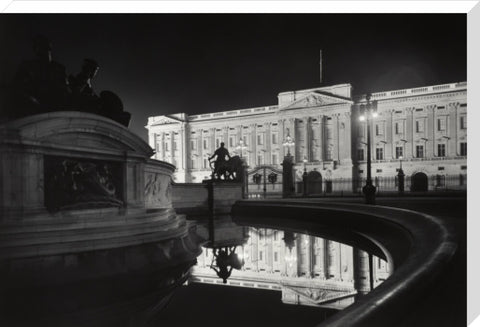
(368,113)
(288,143)
(288,178)
(401,178)
(304,177)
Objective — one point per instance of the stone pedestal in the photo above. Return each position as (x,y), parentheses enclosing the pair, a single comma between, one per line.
(73,183)
(288,177)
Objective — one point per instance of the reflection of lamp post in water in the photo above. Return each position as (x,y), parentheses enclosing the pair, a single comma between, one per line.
(368,112)
(225,261)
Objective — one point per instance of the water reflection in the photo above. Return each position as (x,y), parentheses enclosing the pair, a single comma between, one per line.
(127,286)
(134,286)
(307,270)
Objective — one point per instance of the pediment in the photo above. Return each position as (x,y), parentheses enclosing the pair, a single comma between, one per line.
(165,120)
(317,296)
(315,99)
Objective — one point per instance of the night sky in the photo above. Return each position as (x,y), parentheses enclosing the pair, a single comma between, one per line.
(195,63)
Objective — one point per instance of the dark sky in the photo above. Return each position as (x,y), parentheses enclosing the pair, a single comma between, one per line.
(193,63)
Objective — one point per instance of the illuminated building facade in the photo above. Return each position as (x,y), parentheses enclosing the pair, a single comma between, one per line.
(424,129)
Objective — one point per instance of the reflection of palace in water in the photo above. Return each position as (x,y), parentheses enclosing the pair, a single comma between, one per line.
(307,270)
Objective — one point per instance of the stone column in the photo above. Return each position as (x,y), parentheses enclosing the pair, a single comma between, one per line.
(409,131)
(226,131)
(172,149)
(200,146)
(390,150)
(452,127)
(321,138)
(213,132)
(298,146)
(320,252)
(336,137)
(268,143)
(281,138)
(308,142)
(185,150)
(326,256)
(347,138)
(361,278)
(310,245)
(253,137)
(430,126)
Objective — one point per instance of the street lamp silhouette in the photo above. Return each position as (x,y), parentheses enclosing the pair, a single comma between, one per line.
(401,178)
(288,179)
(368,113)
(288,143)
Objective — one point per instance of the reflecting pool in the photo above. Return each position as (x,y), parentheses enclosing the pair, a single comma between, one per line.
(220,273)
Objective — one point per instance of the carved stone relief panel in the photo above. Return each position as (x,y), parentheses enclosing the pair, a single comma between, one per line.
(158,190)
(72,183)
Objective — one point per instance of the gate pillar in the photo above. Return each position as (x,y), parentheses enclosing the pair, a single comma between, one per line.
(288,181)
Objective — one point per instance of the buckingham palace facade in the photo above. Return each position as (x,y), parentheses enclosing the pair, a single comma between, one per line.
(422,129)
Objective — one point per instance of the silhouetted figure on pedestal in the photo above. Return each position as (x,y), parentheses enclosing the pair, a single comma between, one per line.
(83,96)
(40,85)
(219,165)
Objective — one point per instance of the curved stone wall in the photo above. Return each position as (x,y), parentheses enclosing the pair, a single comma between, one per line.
(417,245)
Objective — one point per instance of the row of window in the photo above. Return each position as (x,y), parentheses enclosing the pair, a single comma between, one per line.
(232,141)
(419,126)
(419,152)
